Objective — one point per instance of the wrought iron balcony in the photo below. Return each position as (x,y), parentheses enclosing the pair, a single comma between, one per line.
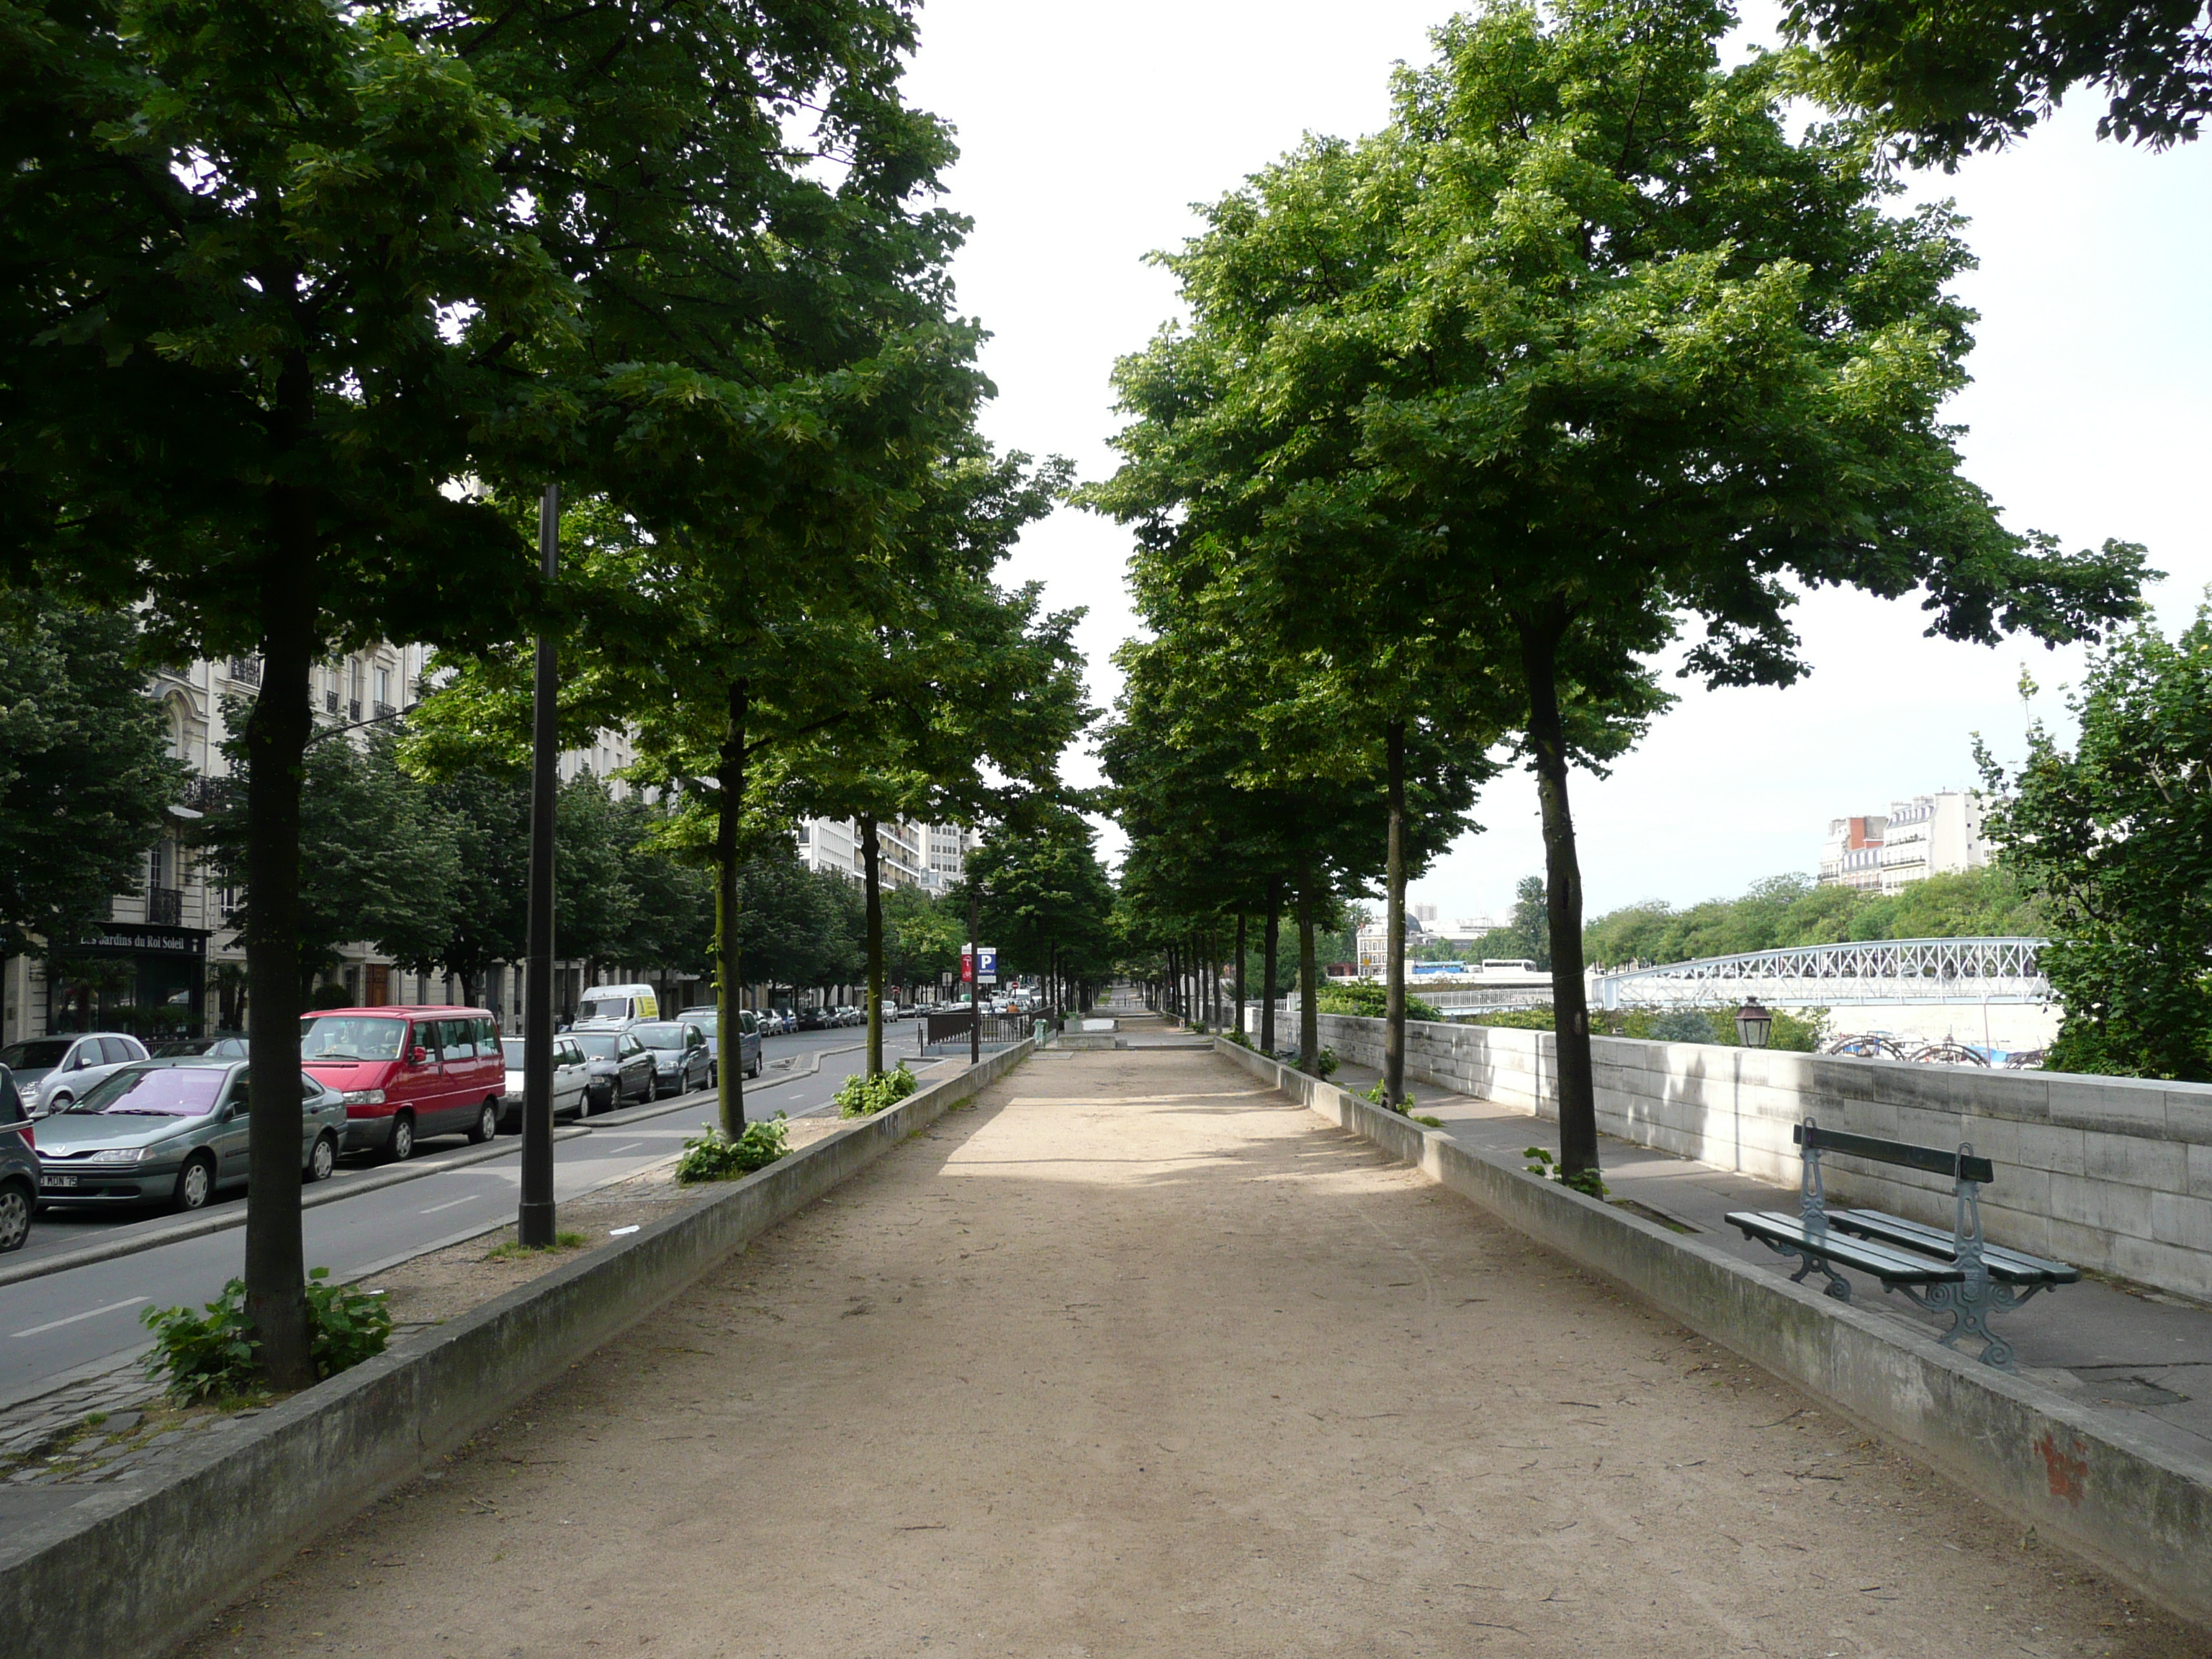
(165,907)
(329,702)
(246,670)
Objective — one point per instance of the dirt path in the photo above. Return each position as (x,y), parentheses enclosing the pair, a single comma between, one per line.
(1131,1358)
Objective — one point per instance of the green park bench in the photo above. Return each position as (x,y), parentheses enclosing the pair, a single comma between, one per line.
(1957,1272)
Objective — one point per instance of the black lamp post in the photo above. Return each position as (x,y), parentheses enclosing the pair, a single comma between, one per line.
(1754,1024)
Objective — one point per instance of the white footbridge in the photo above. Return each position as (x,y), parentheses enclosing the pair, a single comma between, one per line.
(1887,971)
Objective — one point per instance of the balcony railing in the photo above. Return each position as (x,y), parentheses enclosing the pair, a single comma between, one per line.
(352,709)
(165,907)
(385,711)
(246,670)
(329,702)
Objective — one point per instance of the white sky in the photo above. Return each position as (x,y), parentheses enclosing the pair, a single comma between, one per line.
(1087,132)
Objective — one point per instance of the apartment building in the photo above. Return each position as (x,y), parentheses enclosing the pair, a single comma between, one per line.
(1932,835)
(911,854)
(168,962)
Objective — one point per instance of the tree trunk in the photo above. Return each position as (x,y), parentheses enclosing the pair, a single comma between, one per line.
(1394,946)
(1273,940)
(276,734)
(1309,1015)
(1562,897)
(871,854)
(1240,973)
(730,776)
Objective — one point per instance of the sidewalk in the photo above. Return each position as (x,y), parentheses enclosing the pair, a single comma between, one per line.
(2127,1348)
(1134,1358)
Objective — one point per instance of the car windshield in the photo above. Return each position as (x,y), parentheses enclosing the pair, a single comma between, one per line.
(350,1036)
(658,1037)
(157,1091)
(605,1008)
(42,1055)
(704,1022)
(598,1045)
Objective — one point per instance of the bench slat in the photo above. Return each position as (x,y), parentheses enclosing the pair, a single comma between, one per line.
(1902,1154)
(1891,1266)
(2010,1267)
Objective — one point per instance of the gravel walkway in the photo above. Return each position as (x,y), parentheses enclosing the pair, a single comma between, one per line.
(1131,1357)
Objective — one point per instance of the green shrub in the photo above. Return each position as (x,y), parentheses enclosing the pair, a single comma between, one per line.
(1325,1064)
(864,1097)
(714,1156)
(1432,1123)
(349,1324)
(1373,1096)
(209,1355)
(1369,1002)
(1588,1183)
(1516,1019)
(206,1356)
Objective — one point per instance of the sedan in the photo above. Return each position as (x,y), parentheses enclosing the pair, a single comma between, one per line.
(620,1069)
(54,1072)
(19,1167)
(681,1061)
(571,1077)
(750,1029)
(171,1131)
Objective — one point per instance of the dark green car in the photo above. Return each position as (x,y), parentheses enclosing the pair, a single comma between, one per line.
(171,1132)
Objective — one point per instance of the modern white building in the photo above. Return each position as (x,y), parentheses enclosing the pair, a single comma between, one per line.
(924,855)
(1932,835)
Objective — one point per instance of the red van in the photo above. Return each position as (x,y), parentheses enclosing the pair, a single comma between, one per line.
(407,1072)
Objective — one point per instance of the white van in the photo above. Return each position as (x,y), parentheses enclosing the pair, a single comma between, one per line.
(618,1002)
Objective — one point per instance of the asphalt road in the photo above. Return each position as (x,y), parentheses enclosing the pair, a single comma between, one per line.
(83,1319)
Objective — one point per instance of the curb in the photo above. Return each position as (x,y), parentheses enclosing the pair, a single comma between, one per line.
(141,1570)
(310,1199)
(2142,1512)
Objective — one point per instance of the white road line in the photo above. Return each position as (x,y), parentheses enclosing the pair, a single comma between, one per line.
(631,1147)
(55,1325)
(449,1203)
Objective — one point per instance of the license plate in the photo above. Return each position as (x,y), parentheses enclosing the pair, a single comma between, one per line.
(56,1181)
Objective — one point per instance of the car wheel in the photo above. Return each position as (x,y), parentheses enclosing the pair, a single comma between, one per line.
(487,1124)
(402,1138)
(195,1183)
(714,1077)
(59,1103)
(322,1160)
(15,1218)
(756,1071)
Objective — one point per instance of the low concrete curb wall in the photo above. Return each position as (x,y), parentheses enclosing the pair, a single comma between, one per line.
(2113,1173)
(140,1572)
(2142,1512)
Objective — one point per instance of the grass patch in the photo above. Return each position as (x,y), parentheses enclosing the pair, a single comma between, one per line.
(1432,1123)
(514,1249)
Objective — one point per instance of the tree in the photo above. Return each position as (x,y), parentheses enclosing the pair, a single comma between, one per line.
(381,860)
(2114,839)
(86,776)
(1947,77)
(972,693)
(1640,358)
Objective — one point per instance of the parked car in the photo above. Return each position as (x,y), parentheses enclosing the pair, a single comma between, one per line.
(618,1067)
(19,1166)
(52,1072)
(751,1027)
(680,1060)
(814,1019)
(848,1016)
(619,1002)
(223,1045)
(572,1081)
(171,1131)
(408,1072)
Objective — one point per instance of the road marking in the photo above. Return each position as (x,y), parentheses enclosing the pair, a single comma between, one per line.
(449,1204)
(631,1147)
(55,1325)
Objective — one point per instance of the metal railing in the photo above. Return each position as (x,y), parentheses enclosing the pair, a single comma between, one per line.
(246,670)
(165,907)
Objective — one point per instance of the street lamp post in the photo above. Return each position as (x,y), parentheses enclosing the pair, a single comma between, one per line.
(974,982)
(534,1221)
(1754,1024)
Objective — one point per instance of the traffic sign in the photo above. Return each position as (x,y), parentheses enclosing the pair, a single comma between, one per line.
(990,964)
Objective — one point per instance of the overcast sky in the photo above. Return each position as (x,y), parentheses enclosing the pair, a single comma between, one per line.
(1087,133)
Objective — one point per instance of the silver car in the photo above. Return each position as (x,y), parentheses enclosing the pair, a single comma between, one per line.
(52,1072)
(170,1131)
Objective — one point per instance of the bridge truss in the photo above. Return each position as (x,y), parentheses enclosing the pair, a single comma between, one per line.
(1894,970)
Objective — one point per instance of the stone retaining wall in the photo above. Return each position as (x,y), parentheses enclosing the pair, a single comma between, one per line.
(2114,1174)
